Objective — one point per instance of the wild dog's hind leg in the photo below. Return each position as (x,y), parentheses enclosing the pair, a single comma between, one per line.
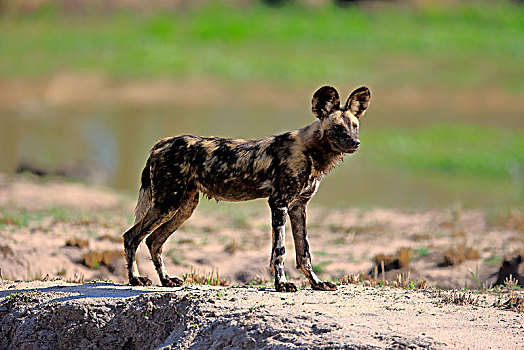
(156,240)
(297,215)
(153,218)
(278,251)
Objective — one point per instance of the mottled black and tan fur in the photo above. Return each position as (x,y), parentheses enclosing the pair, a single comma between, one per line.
(286,168)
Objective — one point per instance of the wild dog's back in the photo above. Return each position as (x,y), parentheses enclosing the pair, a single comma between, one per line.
(221,168)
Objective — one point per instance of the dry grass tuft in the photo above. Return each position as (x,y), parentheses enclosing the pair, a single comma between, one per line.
(78,243)
(459,298)
(110,238)
(96,258)
(386,262)
(455,256)
(514,303)
(351,279)
(78,279)
(401,281)
(404,257)
(388,259)
(405,283)
(511,283)
(212,278)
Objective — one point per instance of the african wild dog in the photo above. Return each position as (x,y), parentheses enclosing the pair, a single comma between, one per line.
(287,168)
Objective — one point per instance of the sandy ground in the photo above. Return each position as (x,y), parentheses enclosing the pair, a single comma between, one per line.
(40,219)
(37,315)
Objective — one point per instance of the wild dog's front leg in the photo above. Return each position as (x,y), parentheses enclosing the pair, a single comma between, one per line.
(297,214)
(278,251)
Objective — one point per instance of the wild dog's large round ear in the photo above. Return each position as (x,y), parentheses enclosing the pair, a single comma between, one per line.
(358,101)
(324,101)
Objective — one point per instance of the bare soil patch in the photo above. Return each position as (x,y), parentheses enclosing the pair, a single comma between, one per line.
(71,230)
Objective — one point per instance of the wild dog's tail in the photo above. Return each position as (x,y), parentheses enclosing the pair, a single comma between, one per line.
(144,196)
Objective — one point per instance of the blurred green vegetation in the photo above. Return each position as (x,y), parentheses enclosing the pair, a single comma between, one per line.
(431,166)
(479,43)
(426,53)
(467,150)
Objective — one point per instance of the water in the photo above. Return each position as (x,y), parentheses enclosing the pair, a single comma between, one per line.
(109,144)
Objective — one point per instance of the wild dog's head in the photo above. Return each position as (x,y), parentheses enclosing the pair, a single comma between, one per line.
(340,124)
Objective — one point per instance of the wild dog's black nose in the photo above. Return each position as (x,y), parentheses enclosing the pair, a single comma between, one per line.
(355,143)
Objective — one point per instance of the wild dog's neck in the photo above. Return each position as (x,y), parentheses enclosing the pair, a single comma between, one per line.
(319,149)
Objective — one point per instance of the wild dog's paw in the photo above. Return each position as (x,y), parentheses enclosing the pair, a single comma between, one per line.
(286,287)
(140,281)
(172,282)
(324,286)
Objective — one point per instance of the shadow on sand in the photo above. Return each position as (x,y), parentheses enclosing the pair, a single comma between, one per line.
(89,290)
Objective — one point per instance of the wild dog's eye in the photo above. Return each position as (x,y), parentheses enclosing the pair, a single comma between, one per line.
(338,128)
(355,126)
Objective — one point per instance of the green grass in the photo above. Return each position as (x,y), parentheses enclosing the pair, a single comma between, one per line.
(19,217)
(321,266)
(469,44)
(422,251)
(493,260)
(473,151)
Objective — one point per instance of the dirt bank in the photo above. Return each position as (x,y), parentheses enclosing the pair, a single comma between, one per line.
(57,315)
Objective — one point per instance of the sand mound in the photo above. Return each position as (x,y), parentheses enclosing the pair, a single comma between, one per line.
(56,315)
